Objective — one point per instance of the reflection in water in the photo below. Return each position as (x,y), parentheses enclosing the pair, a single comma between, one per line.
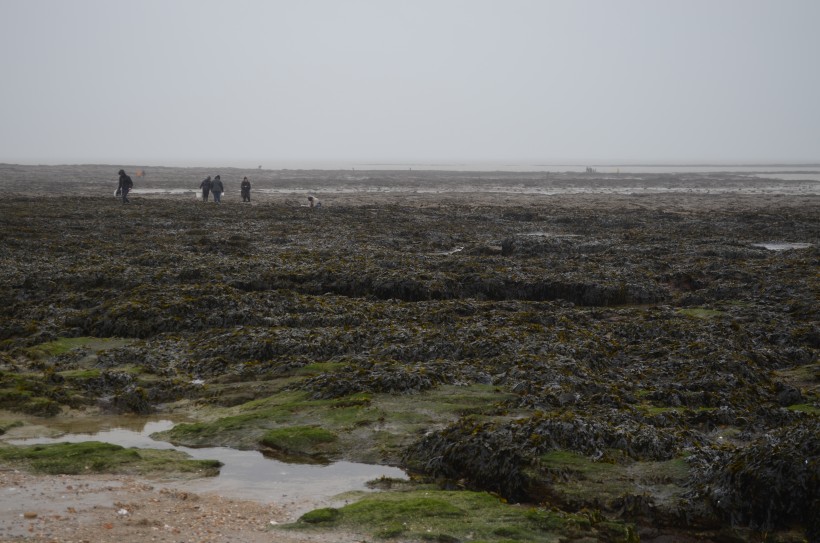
(782,246)
(245,474)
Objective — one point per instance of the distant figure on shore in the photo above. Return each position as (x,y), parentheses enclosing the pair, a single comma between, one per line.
(314,202)
(206,188)
(124,187)
(217,189)
(246,190)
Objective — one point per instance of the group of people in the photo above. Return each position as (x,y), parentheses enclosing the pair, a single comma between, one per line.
(208,186)
(214,186)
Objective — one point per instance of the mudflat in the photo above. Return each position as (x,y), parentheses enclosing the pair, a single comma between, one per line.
(625,356)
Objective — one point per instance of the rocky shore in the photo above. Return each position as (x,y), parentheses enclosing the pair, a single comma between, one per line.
(643,360)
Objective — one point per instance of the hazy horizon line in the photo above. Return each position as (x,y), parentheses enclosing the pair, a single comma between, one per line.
(433,164)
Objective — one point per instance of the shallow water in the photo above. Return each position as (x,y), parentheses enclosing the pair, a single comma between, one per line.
(808,188)
(614,168)
(193,193)
(782,246)
(788,176)
(452,251)
(245,474)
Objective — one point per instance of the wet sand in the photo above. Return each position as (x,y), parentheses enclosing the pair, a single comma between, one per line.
(111,509)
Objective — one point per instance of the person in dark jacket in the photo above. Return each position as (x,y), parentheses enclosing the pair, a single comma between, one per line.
(206,188)
(246,190)
(125,186)
(217,189)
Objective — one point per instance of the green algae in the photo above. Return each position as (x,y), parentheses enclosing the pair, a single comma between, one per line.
(66,344)
(701,313)
(811,409)
(577,480)
(323,515)
(32,394)
(300,440)
(98,457)
(81,375)
(369,427)
(6,425)
(427,514)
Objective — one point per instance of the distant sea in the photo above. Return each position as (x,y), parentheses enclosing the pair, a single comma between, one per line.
(280,177)
(791,172)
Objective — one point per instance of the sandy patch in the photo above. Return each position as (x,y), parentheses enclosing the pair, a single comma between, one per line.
(107,508)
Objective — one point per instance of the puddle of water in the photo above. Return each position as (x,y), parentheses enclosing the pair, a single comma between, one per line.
(159,190)
(450,252)
(245,474)
(782,246)
(542,234)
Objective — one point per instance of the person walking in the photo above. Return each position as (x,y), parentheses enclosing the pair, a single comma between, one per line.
(206,188)
(124,187)
(217,189)
(246,190)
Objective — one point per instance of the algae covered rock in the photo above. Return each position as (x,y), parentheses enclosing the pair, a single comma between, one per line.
(772,483)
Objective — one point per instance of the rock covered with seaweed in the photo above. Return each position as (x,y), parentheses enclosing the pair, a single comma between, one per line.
(653,364)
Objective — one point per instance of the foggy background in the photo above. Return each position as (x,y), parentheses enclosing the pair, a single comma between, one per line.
(258,82)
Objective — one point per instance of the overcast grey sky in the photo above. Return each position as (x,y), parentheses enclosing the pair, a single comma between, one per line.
(247,82)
